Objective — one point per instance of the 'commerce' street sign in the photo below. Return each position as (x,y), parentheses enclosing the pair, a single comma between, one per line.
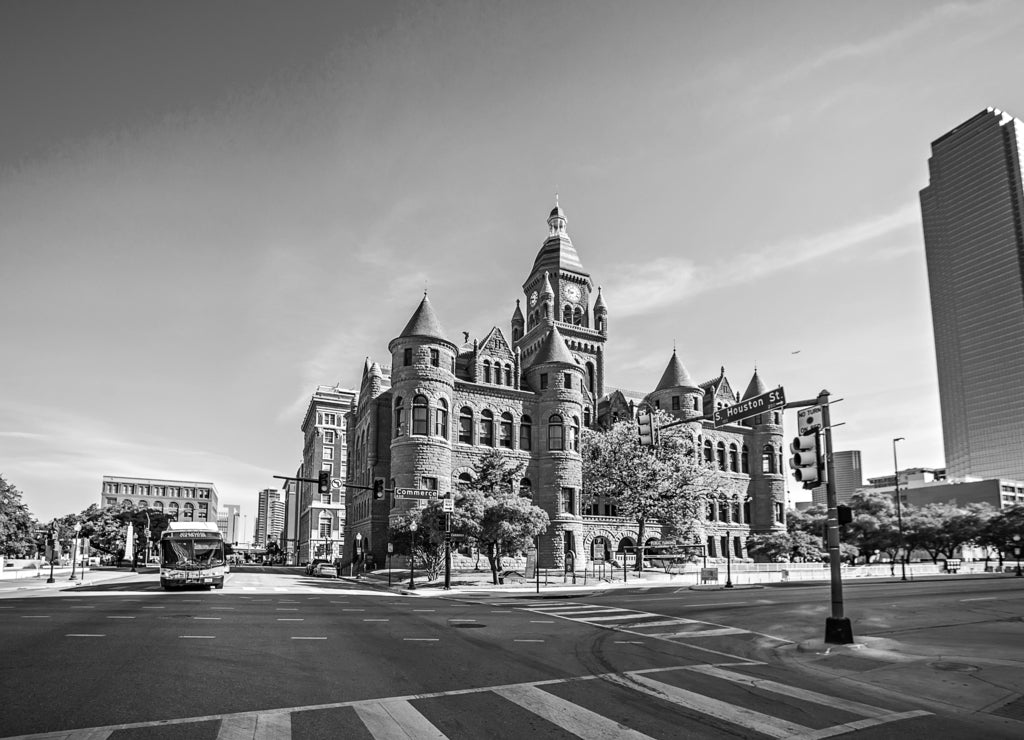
(415,493)
(773,399)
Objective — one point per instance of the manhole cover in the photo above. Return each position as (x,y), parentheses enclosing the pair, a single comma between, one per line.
(947,666)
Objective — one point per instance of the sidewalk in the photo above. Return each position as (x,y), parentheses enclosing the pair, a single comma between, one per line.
(28,580)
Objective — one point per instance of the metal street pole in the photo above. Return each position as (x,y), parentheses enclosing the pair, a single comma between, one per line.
(838,629)
(74,550)
(412,548)
(53,548)
(899,510)
(447,551)
(728,559)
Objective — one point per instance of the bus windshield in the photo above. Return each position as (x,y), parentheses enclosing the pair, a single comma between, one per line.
(192,554)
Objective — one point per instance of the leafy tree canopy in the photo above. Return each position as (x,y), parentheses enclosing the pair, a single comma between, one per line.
(17,525)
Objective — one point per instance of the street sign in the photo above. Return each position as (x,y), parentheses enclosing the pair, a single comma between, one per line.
(415,493)
(448,505)
(809,419)
(335,482)
(773,399)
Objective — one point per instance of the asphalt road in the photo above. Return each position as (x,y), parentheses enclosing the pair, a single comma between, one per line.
(278,655)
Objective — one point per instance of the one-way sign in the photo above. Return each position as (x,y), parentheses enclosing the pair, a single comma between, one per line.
(773,399)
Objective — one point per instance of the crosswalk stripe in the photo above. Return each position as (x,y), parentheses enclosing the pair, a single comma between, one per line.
(397,720)
(572,717)
(737,715)
(785,690)
(610,618)
(668,622)
(699,633)
(270,726)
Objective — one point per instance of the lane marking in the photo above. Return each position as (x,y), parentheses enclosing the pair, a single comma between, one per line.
(420,639)
(118,617)
(267,726)
(527,641)
(979,598)
(35,616)
(629,642)
(374,619)
(213,618)
(83,607)
(290,619)
(196,637)
(83,635)
(542,621)
(286,609)
(415,610)
(309,638)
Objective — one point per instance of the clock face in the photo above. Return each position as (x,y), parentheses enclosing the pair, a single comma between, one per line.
(572,293)
(533,298)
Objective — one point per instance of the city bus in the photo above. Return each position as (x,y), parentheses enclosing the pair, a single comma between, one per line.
(192,554)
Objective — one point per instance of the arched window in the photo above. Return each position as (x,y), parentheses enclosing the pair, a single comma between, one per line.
(696,403)
(465,480)
(525,433)
(142,505)
(567,314)
(172,511)
(399,417)
(487,428)
(526,488)
(555,431)
(708,452)
(466,425)
(590,377)
(508,375)
(505,432)
(158,505)
(600,323)
(419,415)
(586,416)
(517,334)
(441,419)
(723,511)
(487,371)
(734,463)
(720,450)
(745,460)
(736,511)
(577,316)
(768,459)
(189,512)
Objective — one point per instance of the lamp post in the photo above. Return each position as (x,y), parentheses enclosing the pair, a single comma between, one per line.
(1016,552)
(74,550)
(728,560)
(412,546)
(899,509)
(359,552)
(51,551)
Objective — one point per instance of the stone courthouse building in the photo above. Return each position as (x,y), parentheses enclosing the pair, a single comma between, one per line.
(426,418)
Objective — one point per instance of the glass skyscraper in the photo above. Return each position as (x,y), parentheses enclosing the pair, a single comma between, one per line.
(974,244)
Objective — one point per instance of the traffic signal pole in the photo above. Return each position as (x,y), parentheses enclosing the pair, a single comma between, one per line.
(838,629)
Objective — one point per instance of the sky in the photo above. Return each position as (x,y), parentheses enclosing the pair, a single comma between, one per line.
(209,209)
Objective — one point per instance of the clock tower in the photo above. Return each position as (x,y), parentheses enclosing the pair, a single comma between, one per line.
(558,293)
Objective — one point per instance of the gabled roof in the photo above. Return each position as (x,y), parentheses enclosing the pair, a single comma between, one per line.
(495,344)
(755,388)
(553,349)
(424,323)
(675,376)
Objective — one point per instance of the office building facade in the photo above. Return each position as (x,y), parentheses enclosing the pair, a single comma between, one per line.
(182,501)
(973,217)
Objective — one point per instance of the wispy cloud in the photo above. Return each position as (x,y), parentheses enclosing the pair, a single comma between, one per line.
(641,289)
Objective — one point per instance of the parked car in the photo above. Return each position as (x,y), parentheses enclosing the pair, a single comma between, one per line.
(311,567)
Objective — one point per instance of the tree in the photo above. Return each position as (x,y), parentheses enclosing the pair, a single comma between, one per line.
(17,525)
(490,512)
(998,531)
(774,547)
(666,483)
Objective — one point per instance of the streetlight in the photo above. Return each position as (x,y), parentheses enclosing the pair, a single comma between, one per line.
(728,560)
(74,550)
(899,508)
(412,543)
(359,551)
(1016,551)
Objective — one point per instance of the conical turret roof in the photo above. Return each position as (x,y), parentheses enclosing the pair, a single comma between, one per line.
(517,315)
(424,323)
(755,388)
(546,289)
(554,350)
(599,303)
(675,375)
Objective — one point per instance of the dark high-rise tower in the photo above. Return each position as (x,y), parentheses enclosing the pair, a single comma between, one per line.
(974,243)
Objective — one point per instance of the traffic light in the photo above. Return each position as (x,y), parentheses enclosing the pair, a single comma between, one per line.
(324,481)
(807,462)
(645,428)
(378,489)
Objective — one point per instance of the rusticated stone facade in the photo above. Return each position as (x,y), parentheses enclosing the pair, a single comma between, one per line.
(426,420)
